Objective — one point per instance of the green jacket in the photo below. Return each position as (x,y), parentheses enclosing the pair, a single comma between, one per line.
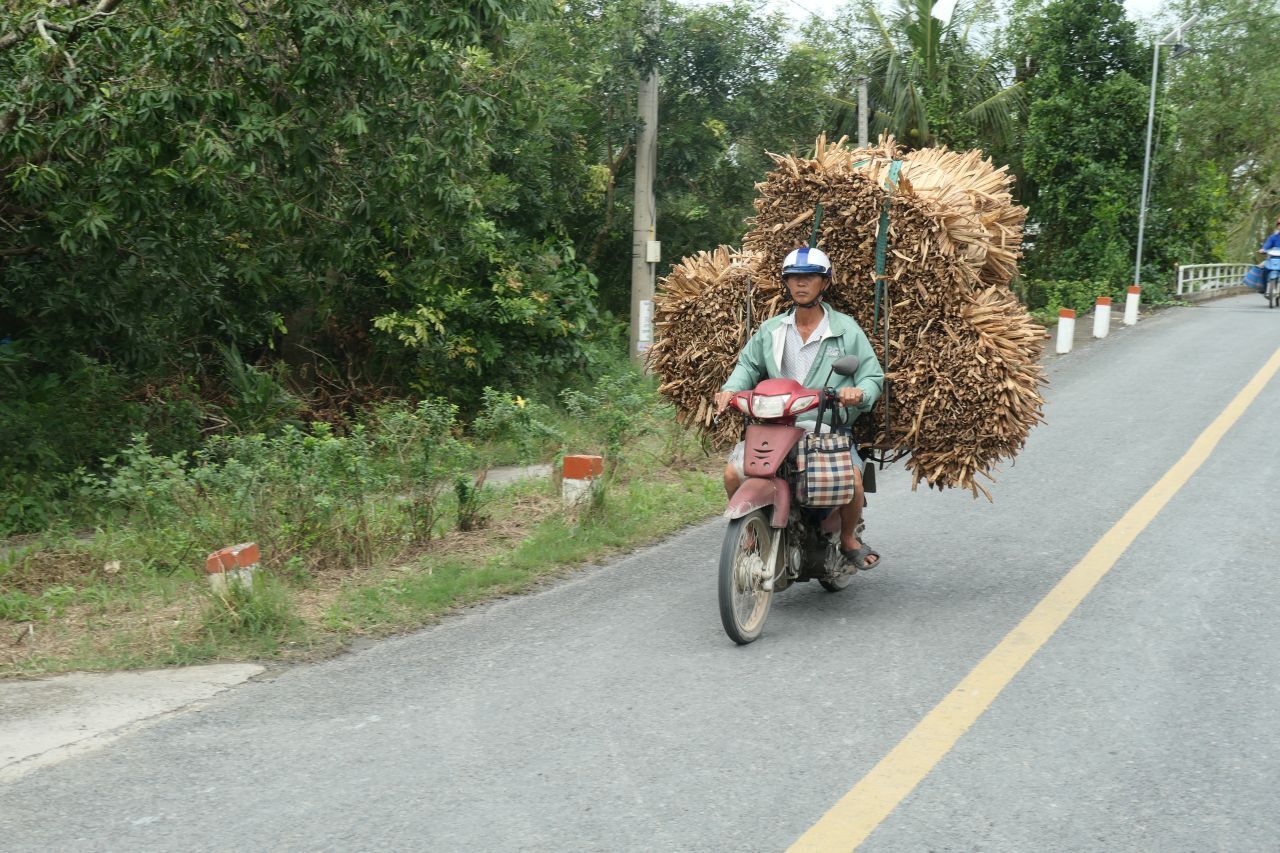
(762,359)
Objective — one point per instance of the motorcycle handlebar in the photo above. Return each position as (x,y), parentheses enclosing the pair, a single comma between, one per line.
(827,396)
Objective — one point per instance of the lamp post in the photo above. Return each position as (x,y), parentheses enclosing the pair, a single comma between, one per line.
(1174,37)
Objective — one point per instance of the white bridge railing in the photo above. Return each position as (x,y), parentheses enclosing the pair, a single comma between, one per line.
(1200,278)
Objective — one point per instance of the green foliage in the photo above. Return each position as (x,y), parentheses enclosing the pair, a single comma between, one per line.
(471,499)
(311,499)
(522,424)
(19,606)
(53,422)
(620,406)
(259,400)
(931,82)
(532,318)
(639,512)
(1049,297)
(1084,139)
(408,198)
(199,162)
(1223,92)
(734,88)
(1083,147)
(358,183)
(263,612)
(324,507)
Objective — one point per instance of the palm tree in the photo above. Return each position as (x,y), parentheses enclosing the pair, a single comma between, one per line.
(930,84)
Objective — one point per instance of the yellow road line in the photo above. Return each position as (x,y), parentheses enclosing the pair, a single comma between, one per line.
(865,807)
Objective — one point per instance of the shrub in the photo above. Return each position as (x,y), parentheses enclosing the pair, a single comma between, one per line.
(471,498)
(518,422)
(265,612)
(55,419)
(1050,296)
(259,401)
(309,496)
(620,406)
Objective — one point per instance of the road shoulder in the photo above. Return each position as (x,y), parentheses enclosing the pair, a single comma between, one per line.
(44,721)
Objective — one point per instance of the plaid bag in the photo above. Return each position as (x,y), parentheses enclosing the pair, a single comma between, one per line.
(824,469)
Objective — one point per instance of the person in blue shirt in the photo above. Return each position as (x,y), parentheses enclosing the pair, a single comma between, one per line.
(1272,242)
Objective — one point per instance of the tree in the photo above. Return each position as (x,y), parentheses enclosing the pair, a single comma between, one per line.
(266,175)
(734,89)
(338,181)
(1223,92)
(1084,139)
(931,82)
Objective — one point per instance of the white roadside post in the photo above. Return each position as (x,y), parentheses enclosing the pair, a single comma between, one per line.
(233,566)
(580,477)
(1131,305)
(1102,317)
(1066,330)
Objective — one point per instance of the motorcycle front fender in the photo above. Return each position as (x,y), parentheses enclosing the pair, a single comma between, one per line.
(759,492)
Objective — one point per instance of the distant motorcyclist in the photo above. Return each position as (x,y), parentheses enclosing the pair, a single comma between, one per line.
(1272,242)
(800,344)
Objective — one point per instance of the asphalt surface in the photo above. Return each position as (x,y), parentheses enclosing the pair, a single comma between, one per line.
(611,713)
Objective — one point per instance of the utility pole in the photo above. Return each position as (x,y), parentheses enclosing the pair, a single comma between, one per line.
(645,250)
(1174,37)
(864,121)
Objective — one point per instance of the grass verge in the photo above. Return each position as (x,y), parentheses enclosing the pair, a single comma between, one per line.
(65,604)
(634,514)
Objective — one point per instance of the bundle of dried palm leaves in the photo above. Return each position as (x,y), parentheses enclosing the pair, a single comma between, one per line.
(962,352)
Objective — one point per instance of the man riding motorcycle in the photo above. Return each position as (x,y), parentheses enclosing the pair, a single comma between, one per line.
(801,344)
(1272,242)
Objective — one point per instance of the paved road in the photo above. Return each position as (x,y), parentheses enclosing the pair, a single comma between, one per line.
(611,713)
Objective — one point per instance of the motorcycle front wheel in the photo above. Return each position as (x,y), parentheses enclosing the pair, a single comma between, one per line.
(744,602)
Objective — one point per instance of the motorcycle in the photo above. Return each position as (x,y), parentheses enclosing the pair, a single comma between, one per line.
(1271,278)
(772,541)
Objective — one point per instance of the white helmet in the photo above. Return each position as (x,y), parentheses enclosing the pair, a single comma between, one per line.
(807,261)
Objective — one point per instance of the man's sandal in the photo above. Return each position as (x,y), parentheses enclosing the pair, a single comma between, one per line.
(858,557)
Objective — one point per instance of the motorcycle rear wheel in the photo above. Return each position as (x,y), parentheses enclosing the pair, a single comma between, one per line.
(744,603)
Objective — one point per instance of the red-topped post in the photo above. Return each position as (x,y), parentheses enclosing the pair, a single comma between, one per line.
(1131,305)
(234,565)
(1102,317)
(1066,330)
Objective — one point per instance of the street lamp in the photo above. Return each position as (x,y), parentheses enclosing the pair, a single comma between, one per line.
(1173,38)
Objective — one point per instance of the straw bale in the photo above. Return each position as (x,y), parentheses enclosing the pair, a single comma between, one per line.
(962,351)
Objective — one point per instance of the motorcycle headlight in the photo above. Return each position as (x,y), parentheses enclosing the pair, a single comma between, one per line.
(741,405)
(769,407)
(801,404)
